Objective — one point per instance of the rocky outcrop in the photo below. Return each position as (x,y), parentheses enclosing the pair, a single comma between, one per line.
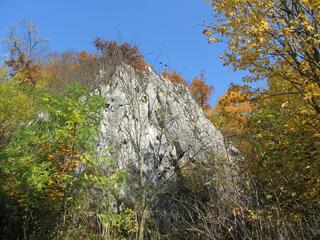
(156,127)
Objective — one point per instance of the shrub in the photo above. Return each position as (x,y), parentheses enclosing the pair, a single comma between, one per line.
(121,53)
(174,77)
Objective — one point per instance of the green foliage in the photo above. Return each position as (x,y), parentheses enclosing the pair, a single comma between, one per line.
(98,189)
(39,166)
(16,108)
(4,76)
(53,184)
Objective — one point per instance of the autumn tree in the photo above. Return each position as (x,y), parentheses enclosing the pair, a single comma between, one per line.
(201,91)
(25,45)
(278,136)
(277,41)
(284,135)
(59,70)
(272,39)
(121,53)
(174,77)
(232,110)
(70,67)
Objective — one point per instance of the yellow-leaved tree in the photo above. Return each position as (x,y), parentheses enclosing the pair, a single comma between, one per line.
(277,41)
(278,38)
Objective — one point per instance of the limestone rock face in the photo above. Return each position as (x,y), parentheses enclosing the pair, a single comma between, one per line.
(155,125)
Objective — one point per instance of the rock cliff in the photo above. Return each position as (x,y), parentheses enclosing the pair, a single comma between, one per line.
(156,129)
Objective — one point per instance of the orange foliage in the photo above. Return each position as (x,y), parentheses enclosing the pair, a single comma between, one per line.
(85,57)
(235,102)
(174,77)
(65,68)
(201,92)
(232,111)
(66,159)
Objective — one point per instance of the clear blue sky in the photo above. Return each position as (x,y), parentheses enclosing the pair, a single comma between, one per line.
(167,31)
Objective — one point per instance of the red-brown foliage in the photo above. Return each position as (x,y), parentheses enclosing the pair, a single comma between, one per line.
(121,53)
(28,70)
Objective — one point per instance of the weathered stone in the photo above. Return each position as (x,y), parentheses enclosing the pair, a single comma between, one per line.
(148,117)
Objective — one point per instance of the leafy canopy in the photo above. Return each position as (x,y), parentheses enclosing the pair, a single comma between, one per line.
(272,39)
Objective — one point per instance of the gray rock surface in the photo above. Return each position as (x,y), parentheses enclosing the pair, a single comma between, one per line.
(155,124)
